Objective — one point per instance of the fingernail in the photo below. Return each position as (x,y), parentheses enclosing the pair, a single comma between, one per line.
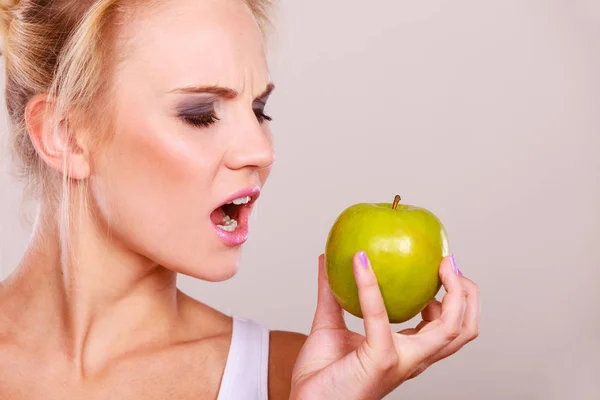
(364,260)
(454,267)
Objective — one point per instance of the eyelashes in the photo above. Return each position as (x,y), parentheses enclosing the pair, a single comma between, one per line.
(197,114)
(261,116)
(200,120)
(204,115)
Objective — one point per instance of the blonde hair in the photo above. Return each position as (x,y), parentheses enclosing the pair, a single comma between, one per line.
(62,48)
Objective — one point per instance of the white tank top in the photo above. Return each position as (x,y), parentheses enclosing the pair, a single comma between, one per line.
(247,366)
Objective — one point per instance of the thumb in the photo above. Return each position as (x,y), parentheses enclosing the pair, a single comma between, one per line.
(329,314)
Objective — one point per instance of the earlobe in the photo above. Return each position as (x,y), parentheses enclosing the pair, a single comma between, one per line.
(53,140)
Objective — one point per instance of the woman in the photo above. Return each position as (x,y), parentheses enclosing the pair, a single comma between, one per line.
(141,125)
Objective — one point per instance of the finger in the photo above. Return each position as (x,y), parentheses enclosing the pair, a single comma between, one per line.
(473,311)
(439,333)
(376,320)
(470,326)
(329,314)
(430,313)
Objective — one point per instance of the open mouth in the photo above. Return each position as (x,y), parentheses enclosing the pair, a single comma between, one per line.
(232,215)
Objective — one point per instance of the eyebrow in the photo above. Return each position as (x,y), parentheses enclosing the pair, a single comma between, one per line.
(223,92)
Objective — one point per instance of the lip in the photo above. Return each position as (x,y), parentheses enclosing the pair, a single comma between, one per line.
(253,192)
(240,235)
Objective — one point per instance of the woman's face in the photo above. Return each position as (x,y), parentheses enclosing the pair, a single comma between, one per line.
(191,135)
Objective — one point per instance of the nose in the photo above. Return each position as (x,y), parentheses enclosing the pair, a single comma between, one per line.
(251,147)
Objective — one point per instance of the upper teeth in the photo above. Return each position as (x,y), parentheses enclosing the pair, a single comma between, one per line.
(241,200)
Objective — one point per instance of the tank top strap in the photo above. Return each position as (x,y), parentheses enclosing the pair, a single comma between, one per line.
(246,369)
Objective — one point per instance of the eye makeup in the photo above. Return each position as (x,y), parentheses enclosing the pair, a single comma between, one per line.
(198,112)
(259,111)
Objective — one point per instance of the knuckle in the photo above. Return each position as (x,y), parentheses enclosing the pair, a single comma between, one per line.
(474,289)
(452,332)
(471,287)
(371,284)
(379,313)
(474,334)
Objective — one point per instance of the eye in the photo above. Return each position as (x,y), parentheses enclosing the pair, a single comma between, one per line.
(200,120)
(261,116)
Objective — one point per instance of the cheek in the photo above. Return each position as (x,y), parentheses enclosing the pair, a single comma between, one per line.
(143,163)
(151,190)
(147,183)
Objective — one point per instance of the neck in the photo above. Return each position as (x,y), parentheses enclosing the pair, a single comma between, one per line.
(95,301)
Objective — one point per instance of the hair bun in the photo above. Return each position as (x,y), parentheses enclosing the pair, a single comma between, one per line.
(7,13)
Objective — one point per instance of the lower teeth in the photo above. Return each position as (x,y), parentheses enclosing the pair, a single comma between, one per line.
(229,224)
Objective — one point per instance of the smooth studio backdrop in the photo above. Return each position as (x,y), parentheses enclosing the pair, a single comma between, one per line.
(485,112)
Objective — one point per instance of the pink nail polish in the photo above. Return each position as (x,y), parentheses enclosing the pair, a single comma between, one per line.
(364,260)
(454,267)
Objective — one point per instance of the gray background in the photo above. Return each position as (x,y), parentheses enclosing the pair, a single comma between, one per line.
(485,112)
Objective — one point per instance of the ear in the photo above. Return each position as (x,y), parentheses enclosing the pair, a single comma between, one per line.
(53,140)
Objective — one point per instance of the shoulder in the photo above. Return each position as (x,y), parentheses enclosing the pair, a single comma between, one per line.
(284,348)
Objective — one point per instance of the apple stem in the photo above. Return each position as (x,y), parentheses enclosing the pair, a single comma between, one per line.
(396,201)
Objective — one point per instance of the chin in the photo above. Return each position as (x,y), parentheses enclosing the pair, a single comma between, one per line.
(216,268)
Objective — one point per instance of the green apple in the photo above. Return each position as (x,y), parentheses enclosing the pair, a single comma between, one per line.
(405,245)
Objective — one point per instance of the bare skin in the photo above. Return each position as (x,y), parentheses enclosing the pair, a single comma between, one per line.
(32,368)
(105,319)
(113,323)
(187,363)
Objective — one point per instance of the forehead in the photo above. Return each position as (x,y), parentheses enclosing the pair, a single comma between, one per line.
(180,43)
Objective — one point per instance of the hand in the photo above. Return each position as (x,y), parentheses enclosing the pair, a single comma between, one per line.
(336,363)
